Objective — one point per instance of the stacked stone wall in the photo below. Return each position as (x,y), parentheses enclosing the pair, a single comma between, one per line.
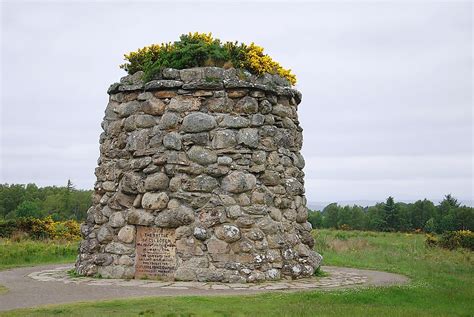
(213,155)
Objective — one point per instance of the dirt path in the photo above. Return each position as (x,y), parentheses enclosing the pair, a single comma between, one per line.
(49,284)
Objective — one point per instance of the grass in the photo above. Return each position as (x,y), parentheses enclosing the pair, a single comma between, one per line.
(3,290)
(442,285)
(28,252)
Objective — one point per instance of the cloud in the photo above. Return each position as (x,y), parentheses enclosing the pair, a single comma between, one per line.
(387,87)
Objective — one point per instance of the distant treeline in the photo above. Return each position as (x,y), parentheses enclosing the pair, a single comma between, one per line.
(61,203)
(422,215)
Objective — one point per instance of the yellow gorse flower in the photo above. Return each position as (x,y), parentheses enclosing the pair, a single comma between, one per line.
(250,57)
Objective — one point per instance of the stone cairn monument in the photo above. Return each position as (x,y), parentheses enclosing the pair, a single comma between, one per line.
(200,179)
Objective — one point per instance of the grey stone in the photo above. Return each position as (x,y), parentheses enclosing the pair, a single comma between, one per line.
(137,140)
(213,73)
(185,274)
(201,155)
(228,233)
(156,182)
(108,186)
(130,183)
(160,84)
(144,96)
(202,183)
(116,220)
(155,201)
(133,79)
(224,160)
(216,246)
(293,186)
(118,248)
(127,234)
(247,105)
(127,108)
(171,73)
(184,103)
(126,260)
(104,234)
(268,226)
(154,107)
(234,122)
(248,137)
(281,111)
(224,139)
(191,74)
(172,141)
(255,234)
(141,163)
(272,274)
(238,182)
(234,212)
(200,233)
(198,122)
(259,157)
(116,271)
(175,216)
(103,259)
(139,121)
(169,121)
(270,178)
(203,84)
(201,138)
(257,120)
(265,107)
(140,217)
(221,105)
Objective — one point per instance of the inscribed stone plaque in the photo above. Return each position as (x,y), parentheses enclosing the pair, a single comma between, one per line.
(156,253)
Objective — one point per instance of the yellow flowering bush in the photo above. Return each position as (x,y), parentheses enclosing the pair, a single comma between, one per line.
(452,240)
(45,228)
(201,49)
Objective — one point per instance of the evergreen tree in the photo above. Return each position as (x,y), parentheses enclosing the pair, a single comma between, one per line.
(331,215)
(390,215)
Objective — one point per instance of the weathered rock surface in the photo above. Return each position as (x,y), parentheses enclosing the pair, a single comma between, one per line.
(212,155)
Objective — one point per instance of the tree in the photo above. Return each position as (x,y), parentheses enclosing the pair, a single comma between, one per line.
(315,218)
(430,225)
(391,215)
(359,218)
(344,217)
(28,209)
(376,217)
(421,212)
(331,215)
(448,203)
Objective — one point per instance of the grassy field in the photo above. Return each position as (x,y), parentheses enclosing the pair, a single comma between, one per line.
(442,285)
(28,252)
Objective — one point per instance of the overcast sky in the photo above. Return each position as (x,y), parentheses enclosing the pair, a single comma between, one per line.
(387,87)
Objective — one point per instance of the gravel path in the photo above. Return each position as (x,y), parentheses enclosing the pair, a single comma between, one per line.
(50,284)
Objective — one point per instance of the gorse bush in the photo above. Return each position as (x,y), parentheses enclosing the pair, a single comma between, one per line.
(457,239)
(198,49)
(45,228)
(452,240)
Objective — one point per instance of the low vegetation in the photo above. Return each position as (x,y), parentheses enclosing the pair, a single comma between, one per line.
(46,228)
(24,252)
(452,240)
(442,284)
(199,49)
